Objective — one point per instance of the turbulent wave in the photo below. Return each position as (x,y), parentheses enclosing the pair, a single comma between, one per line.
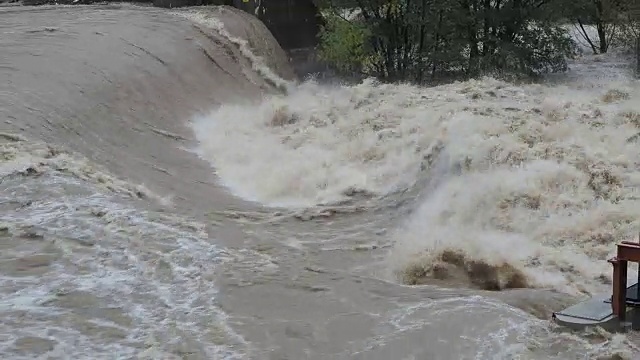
(535,183)
(322,145)
(548,183)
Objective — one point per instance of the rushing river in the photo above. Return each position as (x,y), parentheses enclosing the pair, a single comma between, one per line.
(169,190)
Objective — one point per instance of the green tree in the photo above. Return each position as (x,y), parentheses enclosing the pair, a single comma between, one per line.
(343,44)
(434,40)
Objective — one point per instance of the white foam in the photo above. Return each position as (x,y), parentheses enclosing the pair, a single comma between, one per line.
(319,143)
(150,267)
(540,177)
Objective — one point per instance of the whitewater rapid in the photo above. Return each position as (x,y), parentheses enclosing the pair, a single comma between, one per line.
(528,186)
(170,190)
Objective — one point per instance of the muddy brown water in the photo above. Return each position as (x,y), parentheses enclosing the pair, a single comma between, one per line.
(117,241)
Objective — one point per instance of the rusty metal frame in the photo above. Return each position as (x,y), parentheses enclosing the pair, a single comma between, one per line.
(627,251)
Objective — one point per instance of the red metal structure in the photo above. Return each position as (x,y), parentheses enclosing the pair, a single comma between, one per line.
(627,252)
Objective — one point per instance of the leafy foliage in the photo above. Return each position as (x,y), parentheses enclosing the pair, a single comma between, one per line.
(435,40)
(343,43)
